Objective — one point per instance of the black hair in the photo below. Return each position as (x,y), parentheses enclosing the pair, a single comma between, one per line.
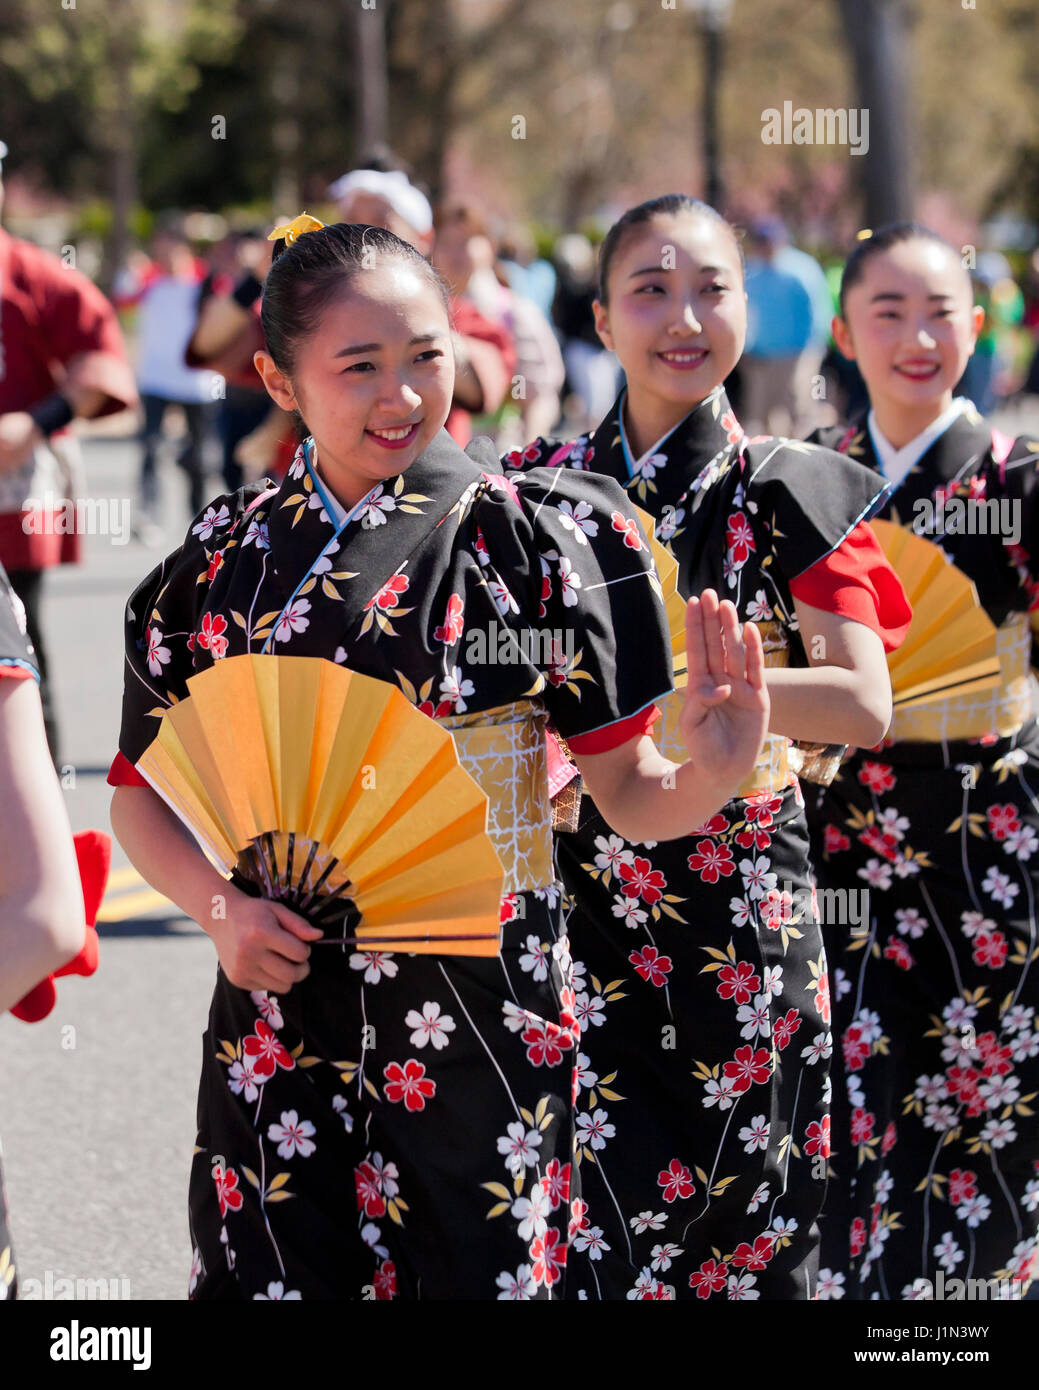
(893,234)
(668,205)
(310,274)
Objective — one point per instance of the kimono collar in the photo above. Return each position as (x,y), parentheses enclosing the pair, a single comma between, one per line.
(896,463)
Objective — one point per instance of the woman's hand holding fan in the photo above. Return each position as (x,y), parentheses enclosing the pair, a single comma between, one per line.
(262,944)
(725,716)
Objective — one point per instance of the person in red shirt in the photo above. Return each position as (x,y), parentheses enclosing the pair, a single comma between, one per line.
(62,357)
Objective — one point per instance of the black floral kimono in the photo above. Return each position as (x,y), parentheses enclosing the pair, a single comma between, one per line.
(17,661)
(936,1144)
(702,990)
(403,1125)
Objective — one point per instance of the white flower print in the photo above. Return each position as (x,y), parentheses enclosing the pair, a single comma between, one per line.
(586,1078)
(193,1274)
(375,964)
(277,1291)
(292,1135)
(877,874)
(577,520)
(503,600)
(772,981)
(1024,1045)
(948,1253)
(754,1017)
(740,909)
(1021,843)
(889,822)
(974,1210)
(719,1093)
(998,886)
(910,922)
(841,983)
(939,1117)
(999,1091)
(516,1019)
(868,1023)
(662,1256)
(919,1291)
(158,656)
(628,910)
(267,1007)
(323,564)
(757,879)
(593,1129)
(294,619)
(999,1133)
(959,1014)
(819,1049)
(648,1221)
(930,1089)
(536,960)
(1030,1197)
(830,1284)
(1018,1018)
(340,656)
(760,1196)
(755,1135)
(590,1238)
(241,1079)
(454,689)
(257,534)
(883,1187)
(371,1235)
(570,581)
(758,609)
(973,922)
(647,467)
(211,519)
(519,1147)
(431,1026)
(670,523)
(377,506)
(339,1106)
(532,1212)
(590,1011)
(517,1287)
(740,1288)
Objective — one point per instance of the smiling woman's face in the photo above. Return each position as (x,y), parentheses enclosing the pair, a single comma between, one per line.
(909,323)
(677,312)
(374,381)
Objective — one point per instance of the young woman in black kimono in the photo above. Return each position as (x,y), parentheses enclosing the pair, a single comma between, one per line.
(702,984)
(936,1149)
(41,902)
(417,1110)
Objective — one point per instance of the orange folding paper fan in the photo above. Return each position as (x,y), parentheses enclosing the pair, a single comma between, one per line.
(674,603)
(950,648)
(328,791)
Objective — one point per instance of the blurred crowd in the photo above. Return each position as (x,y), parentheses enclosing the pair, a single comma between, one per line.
(529,359)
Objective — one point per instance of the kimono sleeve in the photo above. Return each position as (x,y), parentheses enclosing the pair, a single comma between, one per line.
(803,501)
(590,590)
(162,621)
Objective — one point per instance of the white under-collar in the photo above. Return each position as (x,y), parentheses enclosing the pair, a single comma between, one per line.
(330,501)
(896,463)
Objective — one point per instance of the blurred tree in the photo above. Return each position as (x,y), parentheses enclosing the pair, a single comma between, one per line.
(878,34)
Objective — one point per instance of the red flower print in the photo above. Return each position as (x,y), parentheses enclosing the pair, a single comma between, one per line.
(822,997)
(546,1042)
(834,841)
(709,1278)
(454,624)
(858,1236)
(777,907)
(516,458)
(785,1028)
(409,1083)
(578,1217)
(547,1257)
(754,837)
(749,1065)
(856,1052)
(228,1196)
(762,807)
(556,1183)
(732,427)
(676,1180)
(738,982)
(875,839)
(739,537)
(995,1059)
(214,565)
(369,1190)
(1003,821)
(710,860)
(756,1256)
(890,1139)
(878,777)
(388,595)
(717,825)
(630,529)
(817,1137)
(268,1051)
(962,1185)
(509,909)
(862,1122)
(651,965)
(209,636)
(638,880)
(899,952)
(385,1280)
(990,948)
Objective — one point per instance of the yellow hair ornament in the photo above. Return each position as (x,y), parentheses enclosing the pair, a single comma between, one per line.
(293,230)
(864,235)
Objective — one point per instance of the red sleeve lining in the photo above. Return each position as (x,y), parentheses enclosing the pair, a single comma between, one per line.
(855,581)
(611,736)
(122,773)
(16,673)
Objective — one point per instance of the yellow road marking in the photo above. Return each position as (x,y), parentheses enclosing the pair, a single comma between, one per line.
(123,877)
(133,905)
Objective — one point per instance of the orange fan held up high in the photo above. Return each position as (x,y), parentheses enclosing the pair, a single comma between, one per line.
(950,648)
(328,791)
